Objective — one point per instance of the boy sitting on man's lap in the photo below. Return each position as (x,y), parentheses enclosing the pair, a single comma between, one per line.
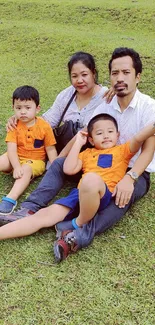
(103,167)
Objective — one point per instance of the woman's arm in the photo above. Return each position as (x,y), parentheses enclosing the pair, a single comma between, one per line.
(109,94)
(53,114)
(11,123)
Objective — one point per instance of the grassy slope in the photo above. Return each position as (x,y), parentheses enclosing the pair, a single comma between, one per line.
(111,283)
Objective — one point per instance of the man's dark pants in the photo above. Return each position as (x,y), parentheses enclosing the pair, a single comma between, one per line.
(53,181)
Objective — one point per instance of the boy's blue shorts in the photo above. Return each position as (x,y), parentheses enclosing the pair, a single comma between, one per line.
(72,201)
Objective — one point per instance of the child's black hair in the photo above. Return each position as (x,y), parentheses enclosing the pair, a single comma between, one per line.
(26,93)
(99,117)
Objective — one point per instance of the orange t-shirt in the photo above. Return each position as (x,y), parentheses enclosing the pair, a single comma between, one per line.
(111,164)
(32,141)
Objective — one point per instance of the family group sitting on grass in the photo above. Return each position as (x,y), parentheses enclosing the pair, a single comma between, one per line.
(115,169)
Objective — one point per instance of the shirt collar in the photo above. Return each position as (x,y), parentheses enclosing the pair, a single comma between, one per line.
(132,104)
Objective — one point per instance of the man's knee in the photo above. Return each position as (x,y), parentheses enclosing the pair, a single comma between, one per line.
(58,161)
(56,166)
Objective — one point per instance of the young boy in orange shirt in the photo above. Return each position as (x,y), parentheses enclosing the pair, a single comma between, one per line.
(27,145)
(103,166)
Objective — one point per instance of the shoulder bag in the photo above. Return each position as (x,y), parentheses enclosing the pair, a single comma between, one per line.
(65,132)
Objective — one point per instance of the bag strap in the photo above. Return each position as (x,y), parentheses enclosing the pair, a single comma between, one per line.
(66,108)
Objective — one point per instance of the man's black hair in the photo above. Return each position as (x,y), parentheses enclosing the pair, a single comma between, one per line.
(103,116)
(26,93)
(125,51)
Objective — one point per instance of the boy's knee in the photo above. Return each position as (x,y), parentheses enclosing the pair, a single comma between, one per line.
(5,165)
(91,181)
(27,168)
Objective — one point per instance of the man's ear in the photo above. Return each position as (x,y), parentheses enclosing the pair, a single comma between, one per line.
(91,141)
(38,109)
(138,78)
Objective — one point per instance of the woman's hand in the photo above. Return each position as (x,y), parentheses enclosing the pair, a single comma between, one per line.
(109,94)
(11,123)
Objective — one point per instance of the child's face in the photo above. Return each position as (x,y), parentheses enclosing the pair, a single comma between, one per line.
(25,110)
(104,134)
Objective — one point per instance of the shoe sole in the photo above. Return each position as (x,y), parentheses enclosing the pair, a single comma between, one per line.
(7,219)
(58,253)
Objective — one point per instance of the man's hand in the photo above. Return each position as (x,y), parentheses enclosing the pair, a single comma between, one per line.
(11,123)
(109,94)
(123,191)
(18,172)
(81,138)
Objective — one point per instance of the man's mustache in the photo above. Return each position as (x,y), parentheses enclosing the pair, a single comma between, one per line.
(120,84)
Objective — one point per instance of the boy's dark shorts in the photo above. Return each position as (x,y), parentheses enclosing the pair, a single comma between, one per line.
(72,201)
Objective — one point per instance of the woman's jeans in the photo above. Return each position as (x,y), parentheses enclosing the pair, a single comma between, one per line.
(53,181)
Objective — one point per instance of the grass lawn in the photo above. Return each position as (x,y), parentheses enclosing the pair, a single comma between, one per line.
(111,282)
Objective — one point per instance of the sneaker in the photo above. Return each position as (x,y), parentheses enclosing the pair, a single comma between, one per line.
(64,246)
(64,225)
(7,206)
(23,212)
(60,227)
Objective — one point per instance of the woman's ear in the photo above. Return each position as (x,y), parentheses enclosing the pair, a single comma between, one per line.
(91,141)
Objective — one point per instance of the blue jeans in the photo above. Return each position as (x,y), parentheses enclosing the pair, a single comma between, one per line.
(48,188)
(53,181)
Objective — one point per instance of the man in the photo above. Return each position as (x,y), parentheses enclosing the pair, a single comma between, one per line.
(132,110)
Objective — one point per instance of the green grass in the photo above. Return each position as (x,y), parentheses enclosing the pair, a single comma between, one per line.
(111,282)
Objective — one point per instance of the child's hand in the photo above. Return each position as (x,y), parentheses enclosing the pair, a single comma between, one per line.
(81,137)
(18,172)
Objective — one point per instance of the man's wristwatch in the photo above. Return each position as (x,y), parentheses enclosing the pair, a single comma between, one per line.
(133,175)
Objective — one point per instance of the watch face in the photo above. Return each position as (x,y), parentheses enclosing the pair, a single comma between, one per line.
(133,175)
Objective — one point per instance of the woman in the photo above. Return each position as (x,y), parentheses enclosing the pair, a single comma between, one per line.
(89,94)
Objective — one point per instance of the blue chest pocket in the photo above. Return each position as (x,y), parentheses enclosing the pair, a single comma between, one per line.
(104,161)
(38,143)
